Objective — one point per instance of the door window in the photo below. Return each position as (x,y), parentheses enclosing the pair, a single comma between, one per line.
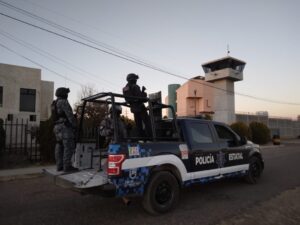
(200,134)
(224,134)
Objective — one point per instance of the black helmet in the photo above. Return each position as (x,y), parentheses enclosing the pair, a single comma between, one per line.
(62,92)
(132,76)
(118,109)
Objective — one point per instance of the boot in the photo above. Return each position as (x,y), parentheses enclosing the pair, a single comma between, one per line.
(70,169)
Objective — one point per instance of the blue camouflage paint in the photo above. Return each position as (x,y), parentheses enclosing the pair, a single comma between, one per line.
(114,149)
(132,182)
(145,152)
(213,178)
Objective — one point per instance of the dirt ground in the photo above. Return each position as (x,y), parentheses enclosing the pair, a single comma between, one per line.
(283,209)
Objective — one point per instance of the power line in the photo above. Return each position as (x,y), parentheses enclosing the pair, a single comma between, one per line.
(93,47)
(80,35)
(148,66)
(50,56)
(74,33)
(75,20)
(40,65)
(112,49)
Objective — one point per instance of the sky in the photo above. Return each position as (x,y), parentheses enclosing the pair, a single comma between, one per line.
(172,35)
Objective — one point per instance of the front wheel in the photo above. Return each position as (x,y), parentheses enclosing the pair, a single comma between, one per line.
(255,170)
(162,193)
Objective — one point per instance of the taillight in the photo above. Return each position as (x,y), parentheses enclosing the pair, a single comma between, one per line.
(114,164)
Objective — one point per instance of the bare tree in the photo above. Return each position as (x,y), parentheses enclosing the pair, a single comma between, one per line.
(94,112)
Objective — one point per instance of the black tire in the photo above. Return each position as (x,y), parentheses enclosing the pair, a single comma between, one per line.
(255,170)
(162,193)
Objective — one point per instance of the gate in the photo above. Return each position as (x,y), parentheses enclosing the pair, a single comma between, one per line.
(22,138)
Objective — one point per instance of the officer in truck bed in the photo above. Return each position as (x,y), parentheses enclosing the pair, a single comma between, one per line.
(137,107)
(107,127)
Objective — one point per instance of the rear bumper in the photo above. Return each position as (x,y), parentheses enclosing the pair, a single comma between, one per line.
(107,190)
(87,181)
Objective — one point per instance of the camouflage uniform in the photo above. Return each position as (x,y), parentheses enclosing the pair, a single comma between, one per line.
(107,127)
(137,107)
(64,130)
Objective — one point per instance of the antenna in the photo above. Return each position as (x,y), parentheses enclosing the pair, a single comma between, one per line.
(228,51)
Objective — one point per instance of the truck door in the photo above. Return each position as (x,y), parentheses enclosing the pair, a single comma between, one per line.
(233,155)
(203,150)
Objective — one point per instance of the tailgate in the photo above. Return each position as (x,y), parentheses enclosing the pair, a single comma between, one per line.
(80,180)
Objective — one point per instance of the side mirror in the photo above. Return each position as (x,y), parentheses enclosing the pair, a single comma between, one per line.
(243,140)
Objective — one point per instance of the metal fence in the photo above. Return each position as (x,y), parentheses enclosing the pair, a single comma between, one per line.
(22,138)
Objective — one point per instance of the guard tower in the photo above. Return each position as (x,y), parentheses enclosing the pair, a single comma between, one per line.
(223,73)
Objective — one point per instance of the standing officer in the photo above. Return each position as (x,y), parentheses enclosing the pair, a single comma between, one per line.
(107,126)
(137,106)
(65,126)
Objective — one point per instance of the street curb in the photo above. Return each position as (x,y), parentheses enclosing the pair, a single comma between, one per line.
(20,177)
(22,173)
(271,146)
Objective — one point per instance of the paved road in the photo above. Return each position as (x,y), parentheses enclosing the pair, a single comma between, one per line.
(38,201)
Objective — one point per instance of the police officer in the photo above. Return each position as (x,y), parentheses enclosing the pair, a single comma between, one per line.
(65,126)
(107,127)
(137,107)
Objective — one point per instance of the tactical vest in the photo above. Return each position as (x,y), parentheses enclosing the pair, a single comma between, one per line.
(54,114)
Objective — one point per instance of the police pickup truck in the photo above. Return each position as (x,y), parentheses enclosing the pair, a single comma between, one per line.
(180,152)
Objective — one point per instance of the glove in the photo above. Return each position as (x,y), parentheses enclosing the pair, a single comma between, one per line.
(143,89)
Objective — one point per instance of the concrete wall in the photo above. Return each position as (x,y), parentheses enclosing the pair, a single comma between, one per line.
(224,102)
(194,98)
(12,79)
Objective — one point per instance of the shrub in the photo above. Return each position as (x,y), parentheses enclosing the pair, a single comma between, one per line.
(241,129)
(260,133)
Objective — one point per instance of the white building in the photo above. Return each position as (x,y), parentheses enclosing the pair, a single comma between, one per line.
(23,95)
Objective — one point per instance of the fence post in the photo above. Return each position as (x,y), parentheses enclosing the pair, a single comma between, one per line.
(22,132)
(26,138)
(10,135)
(5,140)
(16,137)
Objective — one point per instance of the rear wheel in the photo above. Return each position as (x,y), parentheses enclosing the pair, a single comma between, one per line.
(162,193)
(255,170)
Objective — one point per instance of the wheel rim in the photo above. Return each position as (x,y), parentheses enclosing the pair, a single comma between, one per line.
(163,193)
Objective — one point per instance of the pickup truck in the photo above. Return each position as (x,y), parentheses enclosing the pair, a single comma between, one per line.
(181,152)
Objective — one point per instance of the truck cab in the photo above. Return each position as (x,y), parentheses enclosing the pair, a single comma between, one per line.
(179,153)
